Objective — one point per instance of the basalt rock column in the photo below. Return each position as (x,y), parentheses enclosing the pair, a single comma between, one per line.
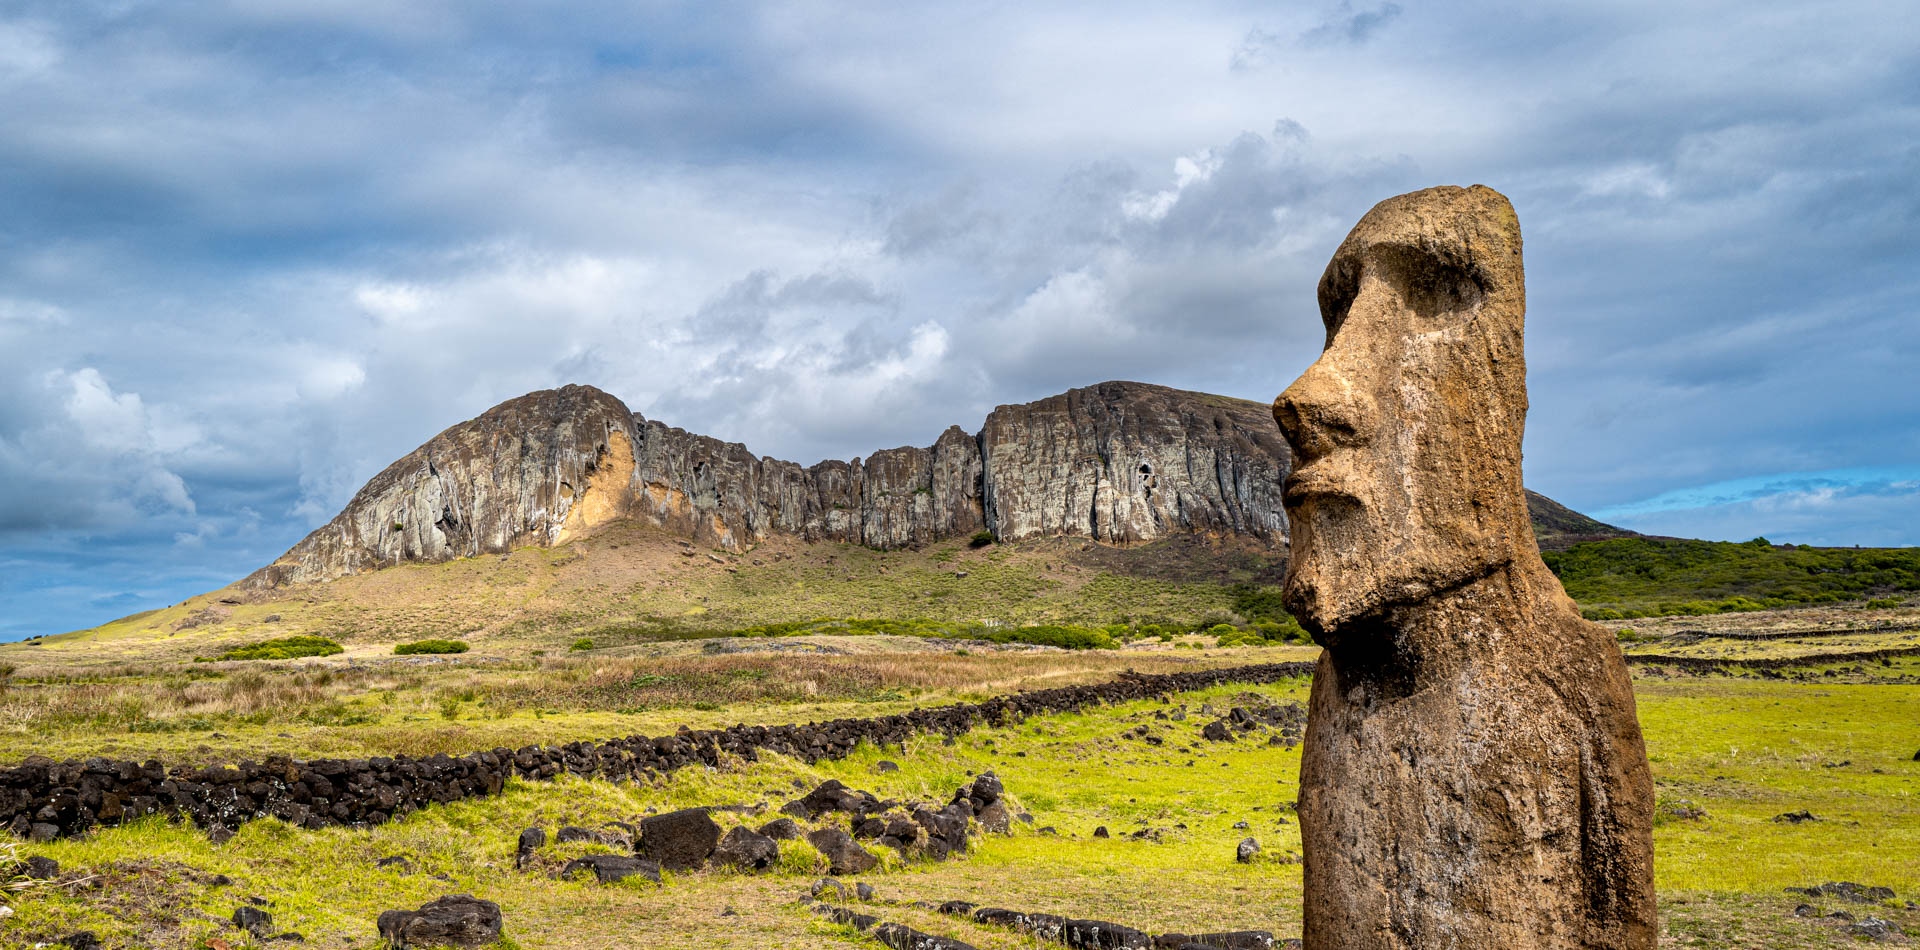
(1473,774)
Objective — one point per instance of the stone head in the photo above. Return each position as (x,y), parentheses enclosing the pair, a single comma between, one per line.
(1406,431)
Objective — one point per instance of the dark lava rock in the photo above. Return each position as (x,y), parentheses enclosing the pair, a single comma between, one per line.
(253,920)
(986,790)
(827,886)
(781,829)
(1247,851)
(531,840)
(1101,934)
(827,796)
(679,840)
(572,833)
(883,766)
(903,937)
(608,868)
(1875,929)
(863,890)
(458,920)
(1226,940)
(995,819)
(1217,731)
(1681,809)
(396,862)
(843,855)
(38,868)
(41,832)
(746,850)
(81,940)
(1847,891)
(1100,832)
(1795,817)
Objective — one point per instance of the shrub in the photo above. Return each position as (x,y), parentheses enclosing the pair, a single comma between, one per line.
(980,539)
(1069,637)
(430,646)
(282,648)
(1880,602)
(584,643)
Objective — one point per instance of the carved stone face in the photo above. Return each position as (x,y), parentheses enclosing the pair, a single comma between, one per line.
(1406,432)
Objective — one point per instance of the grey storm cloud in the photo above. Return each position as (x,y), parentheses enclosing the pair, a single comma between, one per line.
(254,252)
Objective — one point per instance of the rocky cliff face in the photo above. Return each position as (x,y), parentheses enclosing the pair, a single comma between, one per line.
(1116,462)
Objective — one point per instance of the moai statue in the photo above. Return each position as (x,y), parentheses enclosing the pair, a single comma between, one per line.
(1473,775)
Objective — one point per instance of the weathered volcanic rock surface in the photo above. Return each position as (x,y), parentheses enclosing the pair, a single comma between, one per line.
(1116,462)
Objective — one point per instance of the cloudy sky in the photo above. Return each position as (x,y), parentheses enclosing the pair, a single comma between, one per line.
(252,251)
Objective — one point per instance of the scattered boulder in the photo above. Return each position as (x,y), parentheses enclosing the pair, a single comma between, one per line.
(571,834)
(1876,929)
(458,920)
(1847,891)
(995,819)
(680,840)
(80,940)
(1795,817)
(1678,809)
(844,856)
(1217,731)
(884,766)
(1101,832)
(608,868)
(531,841)
(782,829)
(253,920)
(398,863)
(746,850)
(1247,851)
(828,886)
(38,868)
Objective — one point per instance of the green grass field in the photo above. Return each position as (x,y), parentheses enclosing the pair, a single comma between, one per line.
(1742,751)
(705,639)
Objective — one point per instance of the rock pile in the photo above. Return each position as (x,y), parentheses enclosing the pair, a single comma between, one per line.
(42,799)
(689,839)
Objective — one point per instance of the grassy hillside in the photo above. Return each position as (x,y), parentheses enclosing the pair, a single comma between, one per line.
(1650,577)
(631,585)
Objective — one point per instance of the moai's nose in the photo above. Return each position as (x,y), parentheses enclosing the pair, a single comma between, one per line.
(1322,410)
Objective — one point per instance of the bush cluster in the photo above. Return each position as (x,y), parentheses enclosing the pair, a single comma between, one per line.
(430,646)
(282,648)
(1654,577)
(1261,633)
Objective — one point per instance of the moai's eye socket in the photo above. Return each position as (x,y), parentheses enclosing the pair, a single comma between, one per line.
(1338,286)
(1440,292)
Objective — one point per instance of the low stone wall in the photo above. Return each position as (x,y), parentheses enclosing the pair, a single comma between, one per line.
(44,799)
(1767,663)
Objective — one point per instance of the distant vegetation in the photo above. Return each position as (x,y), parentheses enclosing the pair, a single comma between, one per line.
(1654,577)
(430,646)
(283,648)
